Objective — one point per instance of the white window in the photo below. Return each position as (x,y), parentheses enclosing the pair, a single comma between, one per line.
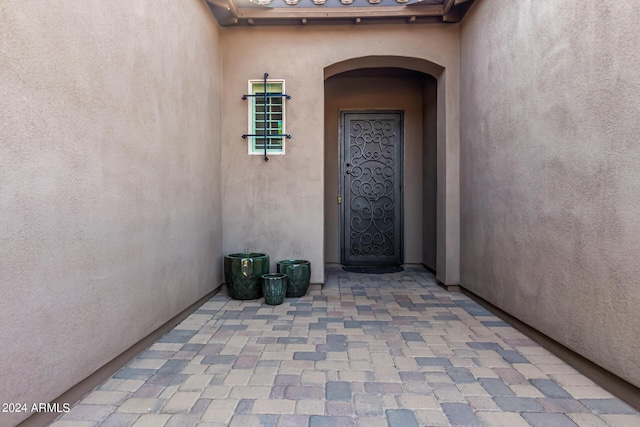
(266,117)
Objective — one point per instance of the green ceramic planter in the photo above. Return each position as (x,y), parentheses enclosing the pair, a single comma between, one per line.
(243,274)
(298,273)
(274,287)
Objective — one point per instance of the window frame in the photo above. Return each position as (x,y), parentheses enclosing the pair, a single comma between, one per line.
(256,86)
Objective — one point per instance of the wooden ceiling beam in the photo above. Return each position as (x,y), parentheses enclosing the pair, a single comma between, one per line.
(233,8)
(447,6)
(452,16)
(219,3)
(225,11)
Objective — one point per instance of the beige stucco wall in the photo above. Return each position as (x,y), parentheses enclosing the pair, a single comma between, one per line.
(550,184)
(278,207)
(110,220)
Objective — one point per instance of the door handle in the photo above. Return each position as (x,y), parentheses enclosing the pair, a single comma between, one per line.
(339,198)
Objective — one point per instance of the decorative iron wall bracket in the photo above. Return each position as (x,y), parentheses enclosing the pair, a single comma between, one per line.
(269,95)
(281,135)
(265,96)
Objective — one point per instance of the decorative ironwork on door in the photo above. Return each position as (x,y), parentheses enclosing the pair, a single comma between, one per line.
(371,160)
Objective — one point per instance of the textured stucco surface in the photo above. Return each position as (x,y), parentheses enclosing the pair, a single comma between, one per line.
(278,207)
(110,218)
(550,184)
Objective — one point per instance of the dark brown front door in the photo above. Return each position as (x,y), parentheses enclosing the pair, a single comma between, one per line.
(371,185)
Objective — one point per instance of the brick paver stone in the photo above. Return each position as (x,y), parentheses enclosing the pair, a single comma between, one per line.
(433,361)
(550,389)
(460,414)
(309,355)
(537,419)
(182,420)
(340,408)
(368,405)
(331,421)
(496,387)
(518,404)
(338,390)
(502,419)
(401,418)
(152,420)
(119,420)
(608,406)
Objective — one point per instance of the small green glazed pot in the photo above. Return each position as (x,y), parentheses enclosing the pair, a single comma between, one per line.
(298,273)
(274,287)
(243,274)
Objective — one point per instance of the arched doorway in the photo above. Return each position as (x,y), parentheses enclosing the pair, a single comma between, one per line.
(401,95)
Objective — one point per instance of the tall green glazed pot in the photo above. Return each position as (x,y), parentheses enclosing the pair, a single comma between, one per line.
(298,273)
(243,274)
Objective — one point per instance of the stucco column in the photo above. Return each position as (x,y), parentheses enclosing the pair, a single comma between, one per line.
(448,186)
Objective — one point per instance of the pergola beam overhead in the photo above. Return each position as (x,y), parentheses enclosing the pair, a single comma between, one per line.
(219,3)
(233,8)
(338,12)
(240,12)
(447,6)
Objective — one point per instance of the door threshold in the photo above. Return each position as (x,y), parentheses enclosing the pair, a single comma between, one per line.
(373,269)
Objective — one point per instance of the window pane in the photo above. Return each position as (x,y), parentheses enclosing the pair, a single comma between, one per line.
(267,115)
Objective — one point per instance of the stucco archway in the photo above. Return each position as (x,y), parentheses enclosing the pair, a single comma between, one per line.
(374,61)
(438,116)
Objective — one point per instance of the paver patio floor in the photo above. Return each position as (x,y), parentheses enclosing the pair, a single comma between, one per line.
(363,350)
